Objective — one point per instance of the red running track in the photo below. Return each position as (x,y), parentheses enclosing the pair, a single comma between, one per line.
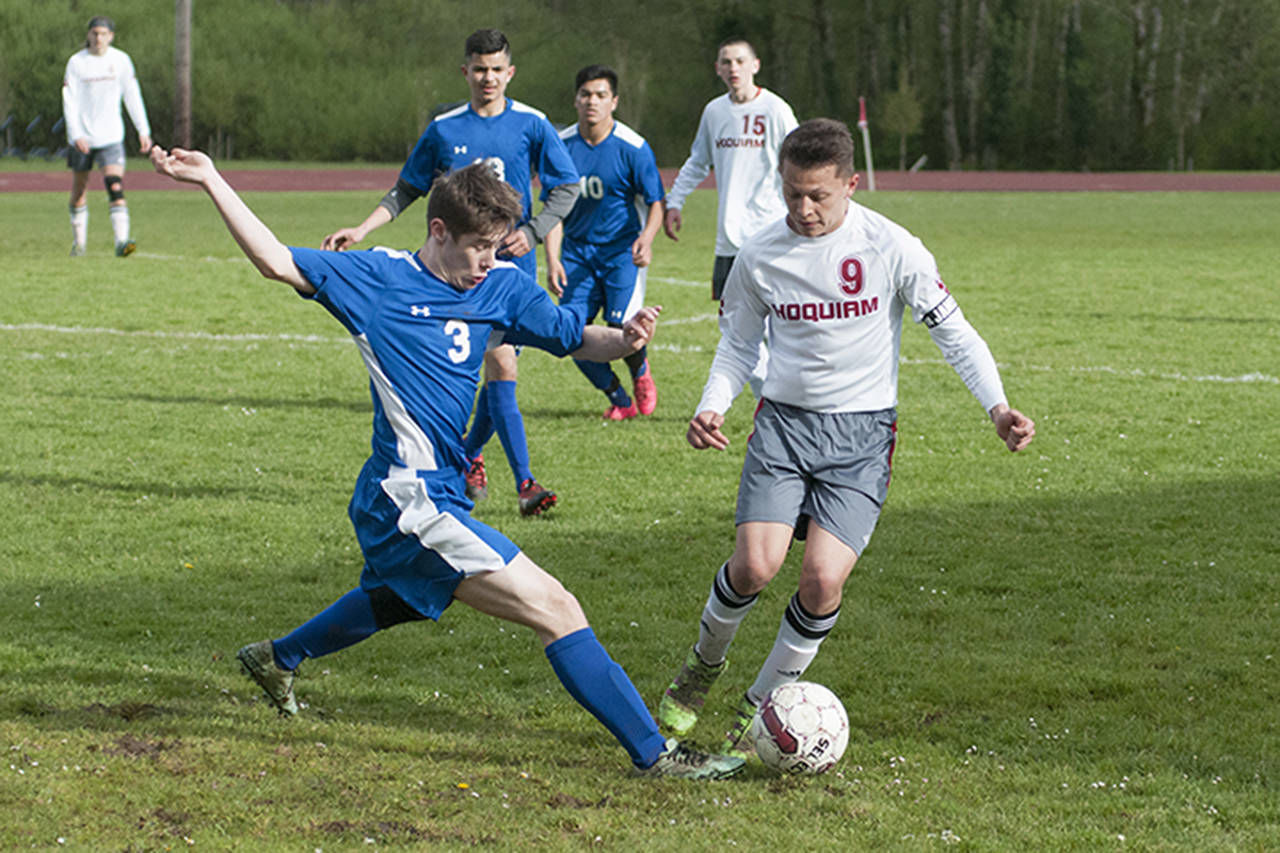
(379,180)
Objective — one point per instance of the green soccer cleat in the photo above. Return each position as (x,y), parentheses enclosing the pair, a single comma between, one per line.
(77,250)
(678,761)
(126,248)
(738,740)
(259,663)
(678,710)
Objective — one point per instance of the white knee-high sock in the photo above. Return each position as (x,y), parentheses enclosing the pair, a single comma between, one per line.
(724,611)
(80,224)
(799,637)
(120,222)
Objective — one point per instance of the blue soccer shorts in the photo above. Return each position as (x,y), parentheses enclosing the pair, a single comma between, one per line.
(418,537)
(603,278)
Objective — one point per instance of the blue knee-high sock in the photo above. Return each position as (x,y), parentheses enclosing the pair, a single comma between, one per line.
(603,378)
(481,427)
(638,363)
(600,685)
(345,622)
(509,424)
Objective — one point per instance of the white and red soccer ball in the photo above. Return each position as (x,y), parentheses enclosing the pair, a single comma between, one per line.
(800,728)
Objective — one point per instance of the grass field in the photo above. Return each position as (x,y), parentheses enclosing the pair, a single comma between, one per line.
(1072,648)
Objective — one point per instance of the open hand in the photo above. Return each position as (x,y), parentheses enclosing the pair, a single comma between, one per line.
(192,167)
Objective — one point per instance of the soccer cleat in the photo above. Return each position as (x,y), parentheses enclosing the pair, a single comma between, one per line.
(678,710)
(738,740)
(77,250)
(678,761)
(477,482)
(259,663)
(125,249)
(535,498)
(618,413)
(646,391)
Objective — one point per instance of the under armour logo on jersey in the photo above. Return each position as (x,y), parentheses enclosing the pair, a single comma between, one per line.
(420,310)
(459,149)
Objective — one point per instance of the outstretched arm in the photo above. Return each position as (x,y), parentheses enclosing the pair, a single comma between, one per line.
(608,343)
(272,258)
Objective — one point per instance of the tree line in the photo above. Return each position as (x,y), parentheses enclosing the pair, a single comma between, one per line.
(956,84)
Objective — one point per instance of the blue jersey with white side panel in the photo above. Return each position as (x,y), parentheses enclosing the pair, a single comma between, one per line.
(423,342)
(517,143)
(619,181)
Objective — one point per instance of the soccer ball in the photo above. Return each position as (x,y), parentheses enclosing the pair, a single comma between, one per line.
(800,728)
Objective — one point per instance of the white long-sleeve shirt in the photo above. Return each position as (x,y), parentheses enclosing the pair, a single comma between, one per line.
(834,306)
(741,142)
(92,90)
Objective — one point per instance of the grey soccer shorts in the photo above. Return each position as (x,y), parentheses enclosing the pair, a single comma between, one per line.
(107,155)
(831,467)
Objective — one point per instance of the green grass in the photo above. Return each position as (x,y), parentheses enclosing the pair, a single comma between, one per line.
(1072,648)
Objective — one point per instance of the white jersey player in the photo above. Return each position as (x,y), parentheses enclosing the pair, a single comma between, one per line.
(97,79)
(833,281)
(738,136)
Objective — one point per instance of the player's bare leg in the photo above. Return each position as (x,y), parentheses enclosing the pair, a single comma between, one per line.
(79,210)
(760,549)
(809,617)
(113,179)
(525,594)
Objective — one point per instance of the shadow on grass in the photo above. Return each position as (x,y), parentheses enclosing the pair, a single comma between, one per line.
(361,405)
(1132,628)
(169,489)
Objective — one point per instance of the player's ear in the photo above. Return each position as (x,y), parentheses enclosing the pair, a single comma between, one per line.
(436,229)
(853,183)
(511,72)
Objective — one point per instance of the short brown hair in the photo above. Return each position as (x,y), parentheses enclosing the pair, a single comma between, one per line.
(473,200)
(818,142)
(737,40)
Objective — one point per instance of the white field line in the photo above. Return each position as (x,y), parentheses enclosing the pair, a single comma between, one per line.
(250,337)
(1136,372)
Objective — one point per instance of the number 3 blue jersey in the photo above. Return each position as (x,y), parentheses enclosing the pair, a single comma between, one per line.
(616,175)
(517,143)
(423,342)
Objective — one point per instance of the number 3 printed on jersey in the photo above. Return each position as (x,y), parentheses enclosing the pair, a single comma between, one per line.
(461,334)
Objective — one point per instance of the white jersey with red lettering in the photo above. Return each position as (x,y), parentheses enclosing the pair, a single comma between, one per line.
(834,306)
(741,142)
(92,89)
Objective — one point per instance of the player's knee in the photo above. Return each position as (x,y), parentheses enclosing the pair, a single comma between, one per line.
(820,593)
(500,364)
(565,614)
(750,571)
(115,188)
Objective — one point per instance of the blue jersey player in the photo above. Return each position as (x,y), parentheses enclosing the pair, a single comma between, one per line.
(419,320)
(597,257)
(516,141)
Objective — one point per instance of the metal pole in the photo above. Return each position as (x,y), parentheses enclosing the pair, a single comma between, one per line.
(866,142)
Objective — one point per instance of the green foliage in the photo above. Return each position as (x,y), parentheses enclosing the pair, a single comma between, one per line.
(1059,650)
(1045,84)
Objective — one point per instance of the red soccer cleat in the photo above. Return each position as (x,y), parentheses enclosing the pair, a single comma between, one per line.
(646,391)
(535,498)
(618,413)
(477,482)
